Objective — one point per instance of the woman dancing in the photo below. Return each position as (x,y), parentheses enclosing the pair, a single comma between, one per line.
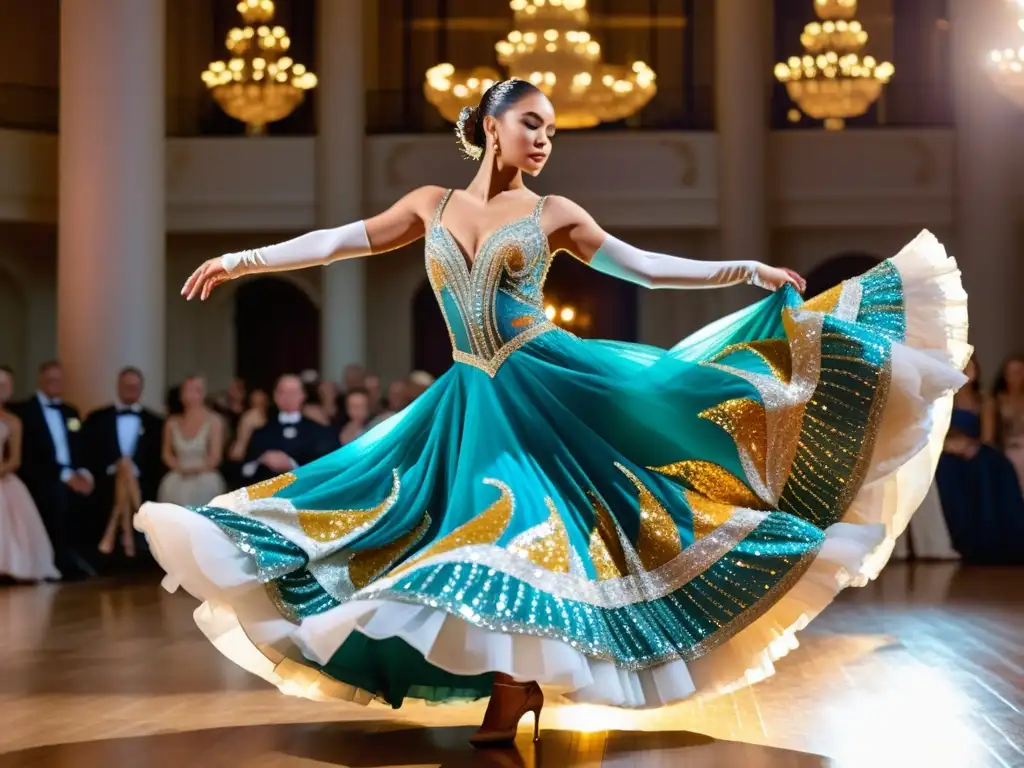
(612,523)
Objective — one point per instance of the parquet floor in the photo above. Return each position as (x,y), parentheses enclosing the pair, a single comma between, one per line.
(923,668)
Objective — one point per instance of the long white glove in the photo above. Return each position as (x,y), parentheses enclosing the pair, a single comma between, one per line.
(310,250)
(657,270)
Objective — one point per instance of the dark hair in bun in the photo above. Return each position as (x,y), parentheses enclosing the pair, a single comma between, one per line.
(496,101)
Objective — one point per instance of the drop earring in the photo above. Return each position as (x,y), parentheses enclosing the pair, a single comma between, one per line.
(497,146)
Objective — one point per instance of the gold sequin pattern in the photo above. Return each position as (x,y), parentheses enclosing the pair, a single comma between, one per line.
(485,528)
(713,482)
(511,255)
(267,488)
(604,565)
(658,541)
(491,365)
(785,402)
(331,525)
(707,514)
(367,565)
(435,270)
(774,353)
(606,549)
(545,545)
(825,302)
(745,421)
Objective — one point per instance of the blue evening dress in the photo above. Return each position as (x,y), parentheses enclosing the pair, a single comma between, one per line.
(981,499)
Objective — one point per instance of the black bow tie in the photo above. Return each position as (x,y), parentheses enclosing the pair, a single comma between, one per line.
(55,404)
(127,412)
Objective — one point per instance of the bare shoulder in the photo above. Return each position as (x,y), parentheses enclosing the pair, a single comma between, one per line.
(559,208)
(12,421)
(570,228)
(424,200)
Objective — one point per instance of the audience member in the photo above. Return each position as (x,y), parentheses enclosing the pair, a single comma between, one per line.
(287,441)
(26,553)
(192,449)
(357,409)
(122,450)
(53,467)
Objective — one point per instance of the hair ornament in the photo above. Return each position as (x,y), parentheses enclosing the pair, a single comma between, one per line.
(502,88)
(468,148)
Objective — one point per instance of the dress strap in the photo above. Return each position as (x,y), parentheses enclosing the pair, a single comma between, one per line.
(440,208)
(539,207)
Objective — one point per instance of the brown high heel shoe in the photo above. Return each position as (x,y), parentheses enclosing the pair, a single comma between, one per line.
(500,725)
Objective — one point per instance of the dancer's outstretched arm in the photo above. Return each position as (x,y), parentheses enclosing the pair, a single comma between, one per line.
(574,230)
(403,223)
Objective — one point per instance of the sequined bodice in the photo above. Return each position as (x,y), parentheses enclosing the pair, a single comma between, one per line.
(494,305)
(191,451)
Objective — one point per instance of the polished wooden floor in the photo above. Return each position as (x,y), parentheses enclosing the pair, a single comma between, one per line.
(924,668)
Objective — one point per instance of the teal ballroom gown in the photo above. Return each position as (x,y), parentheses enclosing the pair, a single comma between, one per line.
(626,525)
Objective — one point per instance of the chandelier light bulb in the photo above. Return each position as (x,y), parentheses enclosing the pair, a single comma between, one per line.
(550,47)
(260,83)
(1005,66)
(832,82)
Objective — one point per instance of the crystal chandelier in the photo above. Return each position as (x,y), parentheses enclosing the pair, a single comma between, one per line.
(260,83)
(1006,66)
(831,81)
(550,47)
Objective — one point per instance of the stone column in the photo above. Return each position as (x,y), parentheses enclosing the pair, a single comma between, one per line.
(111,228)
(985,204)
(742,90)
(339,184)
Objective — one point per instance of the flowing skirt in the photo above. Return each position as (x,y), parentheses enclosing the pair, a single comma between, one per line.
(626,525)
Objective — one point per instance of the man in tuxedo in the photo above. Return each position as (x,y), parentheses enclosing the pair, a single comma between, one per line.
(53,468)
(122,441)
(288,439)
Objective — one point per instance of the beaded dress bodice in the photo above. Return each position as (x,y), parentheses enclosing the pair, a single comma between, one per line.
(494,304)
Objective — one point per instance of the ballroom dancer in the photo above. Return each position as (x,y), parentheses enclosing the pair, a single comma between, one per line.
(607,522)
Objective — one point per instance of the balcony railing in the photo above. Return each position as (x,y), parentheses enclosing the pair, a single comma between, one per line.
(407,111)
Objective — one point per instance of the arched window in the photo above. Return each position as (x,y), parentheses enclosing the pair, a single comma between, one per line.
(277,330)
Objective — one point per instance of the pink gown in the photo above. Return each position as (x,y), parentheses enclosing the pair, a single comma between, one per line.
(25,549)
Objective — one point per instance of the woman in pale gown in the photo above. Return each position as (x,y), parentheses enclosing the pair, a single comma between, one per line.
(1008,407)
(193,442)
(26,553)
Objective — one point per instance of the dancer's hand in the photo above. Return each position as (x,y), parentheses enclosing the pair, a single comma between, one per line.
(773,278)
(209,275)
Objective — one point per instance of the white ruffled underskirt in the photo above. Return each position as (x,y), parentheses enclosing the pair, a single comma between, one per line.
(240,620)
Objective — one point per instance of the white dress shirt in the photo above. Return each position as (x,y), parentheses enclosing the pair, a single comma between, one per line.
(59,434)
